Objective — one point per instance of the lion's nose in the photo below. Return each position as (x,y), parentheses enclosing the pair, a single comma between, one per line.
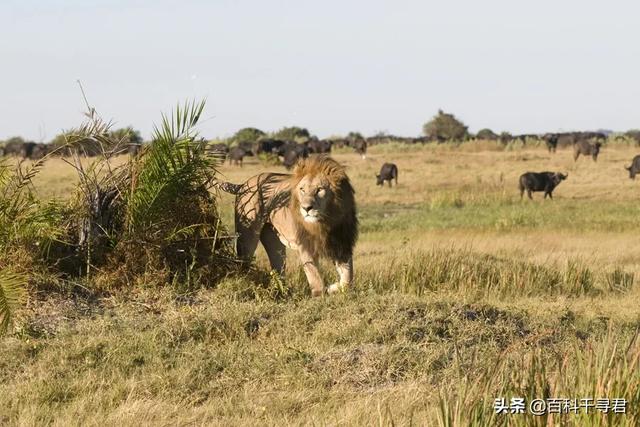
(307,208)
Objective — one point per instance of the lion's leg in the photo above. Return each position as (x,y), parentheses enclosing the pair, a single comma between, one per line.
(310,267)
(345,273)
(247,243)
(275,248)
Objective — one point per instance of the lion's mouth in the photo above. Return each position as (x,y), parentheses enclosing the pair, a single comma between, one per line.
(310,216)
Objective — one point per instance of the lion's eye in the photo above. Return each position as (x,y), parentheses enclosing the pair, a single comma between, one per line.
(321,192)
(301,190)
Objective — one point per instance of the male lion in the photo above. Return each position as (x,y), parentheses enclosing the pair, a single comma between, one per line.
(312,211)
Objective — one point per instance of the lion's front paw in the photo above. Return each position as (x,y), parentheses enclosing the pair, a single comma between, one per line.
(336,287)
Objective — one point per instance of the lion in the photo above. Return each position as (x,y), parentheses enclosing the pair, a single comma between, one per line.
(312,211)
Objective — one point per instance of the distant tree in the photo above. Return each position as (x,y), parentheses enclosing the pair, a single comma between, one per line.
(445,126)
(59,139)
(247,135)
(505,137)
(127,135)
(354,136)
(15,140)
(292,133)
(486,134)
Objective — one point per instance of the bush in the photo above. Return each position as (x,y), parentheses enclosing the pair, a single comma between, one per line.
(127,135)
(487,134)
(247,135)
(150,220)
(292,133)
(354,136)
(445,126)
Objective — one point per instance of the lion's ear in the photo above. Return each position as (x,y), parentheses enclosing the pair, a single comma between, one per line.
(299,167)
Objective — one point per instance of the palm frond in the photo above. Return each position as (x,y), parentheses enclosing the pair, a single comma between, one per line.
(173,165)
(12,295)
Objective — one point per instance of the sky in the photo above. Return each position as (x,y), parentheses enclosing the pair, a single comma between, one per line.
(331,66)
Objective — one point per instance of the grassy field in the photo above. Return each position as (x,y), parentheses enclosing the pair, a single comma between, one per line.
(463,294)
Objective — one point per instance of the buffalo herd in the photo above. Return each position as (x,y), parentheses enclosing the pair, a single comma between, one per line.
(38,150)
(289,152)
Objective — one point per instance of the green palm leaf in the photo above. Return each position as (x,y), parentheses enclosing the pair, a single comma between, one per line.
(173,165)
(12,295)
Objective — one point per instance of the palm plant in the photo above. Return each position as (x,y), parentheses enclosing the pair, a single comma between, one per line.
(156,208)
(173,165)
(24,222)
(153,213)
(12,294)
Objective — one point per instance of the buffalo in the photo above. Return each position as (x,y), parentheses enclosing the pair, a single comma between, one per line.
(540,181)
(268,146)
(319,146)
(39,151)
(360,147)
(237,154)
(551,140)
(567,139)
(388,172)
(634,168)
(293,153)
(586,149)
(286,146)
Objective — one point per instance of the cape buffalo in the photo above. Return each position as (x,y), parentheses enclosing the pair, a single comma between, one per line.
(293,153)
(586,149)
(360,146)
(388,172)
(540,181)
(269,146)
(634,168)
(551,140)
(319,146)
(39,151)
(237,154)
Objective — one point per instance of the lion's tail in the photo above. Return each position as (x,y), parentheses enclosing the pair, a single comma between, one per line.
(228,187)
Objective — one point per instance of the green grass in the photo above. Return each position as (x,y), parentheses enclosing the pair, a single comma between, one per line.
(496,212)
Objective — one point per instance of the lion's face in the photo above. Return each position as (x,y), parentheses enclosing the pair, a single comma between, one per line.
(314,196)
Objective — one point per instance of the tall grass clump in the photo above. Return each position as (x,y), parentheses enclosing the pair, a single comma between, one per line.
(484,275)
(604,369)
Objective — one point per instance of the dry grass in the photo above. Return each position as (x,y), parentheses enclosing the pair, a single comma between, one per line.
(463,293)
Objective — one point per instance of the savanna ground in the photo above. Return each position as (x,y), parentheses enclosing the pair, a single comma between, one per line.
(463,294)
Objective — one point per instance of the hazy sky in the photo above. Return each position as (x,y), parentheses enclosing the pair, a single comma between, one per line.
(331,66)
